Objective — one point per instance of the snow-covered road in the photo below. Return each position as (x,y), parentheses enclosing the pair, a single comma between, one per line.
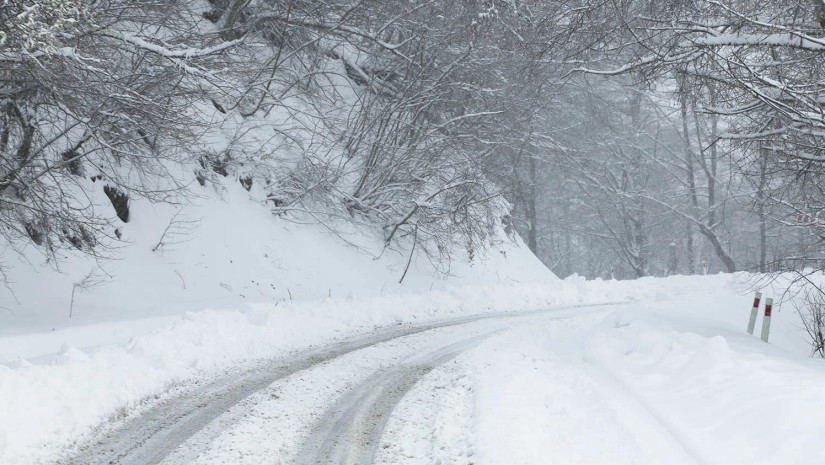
(617,384)
(327,405)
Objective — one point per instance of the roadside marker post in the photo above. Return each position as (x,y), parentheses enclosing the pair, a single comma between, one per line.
(766,322)
(754,312)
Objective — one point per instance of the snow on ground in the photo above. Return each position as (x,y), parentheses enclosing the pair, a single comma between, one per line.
(219,295)
(78,388)
(434,422)
(224,250)
(730,398)
(230,283)
(681,342)
(646,383)
(270,426)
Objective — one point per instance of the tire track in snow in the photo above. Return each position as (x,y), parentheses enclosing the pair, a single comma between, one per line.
(541,382)
(649,424)
(350,432)
(156,433)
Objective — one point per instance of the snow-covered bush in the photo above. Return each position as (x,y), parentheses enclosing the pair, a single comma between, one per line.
(811,309)
(83,101)
(38,25)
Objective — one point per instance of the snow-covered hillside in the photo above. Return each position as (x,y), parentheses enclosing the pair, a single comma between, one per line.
(224,250)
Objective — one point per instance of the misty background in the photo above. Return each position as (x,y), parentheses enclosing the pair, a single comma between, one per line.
(618,138)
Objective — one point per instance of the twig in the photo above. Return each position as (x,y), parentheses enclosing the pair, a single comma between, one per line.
(89,281)
(181,279)
(412,251)
(71,304)
(174,229)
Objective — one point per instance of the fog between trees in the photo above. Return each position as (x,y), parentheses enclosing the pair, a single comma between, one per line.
(620,138)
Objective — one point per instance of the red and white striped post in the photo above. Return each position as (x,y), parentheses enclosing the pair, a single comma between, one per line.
(766,322)
(754,312)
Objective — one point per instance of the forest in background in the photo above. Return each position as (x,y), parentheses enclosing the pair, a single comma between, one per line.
(620,138)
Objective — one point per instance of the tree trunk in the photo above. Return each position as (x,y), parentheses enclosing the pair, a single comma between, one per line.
(532,220)
(763,217)
(723,255)
(691,255)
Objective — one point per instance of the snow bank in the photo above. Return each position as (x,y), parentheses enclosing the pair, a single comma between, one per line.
(726,397)
(536,398)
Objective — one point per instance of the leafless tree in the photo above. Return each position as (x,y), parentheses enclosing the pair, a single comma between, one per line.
(94,98)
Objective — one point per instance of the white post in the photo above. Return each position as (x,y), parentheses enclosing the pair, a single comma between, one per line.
(766,322)
(754,312)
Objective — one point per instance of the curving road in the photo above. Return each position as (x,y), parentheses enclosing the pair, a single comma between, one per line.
(194,425)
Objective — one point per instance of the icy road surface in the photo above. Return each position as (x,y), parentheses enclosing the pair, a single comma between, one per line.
(591,385)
